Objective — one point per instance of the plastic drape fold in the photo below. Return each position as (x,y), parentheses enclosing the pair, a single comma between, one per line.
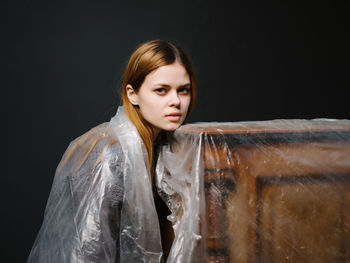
(179,179)
(101,206)
(269,191)
(140,233)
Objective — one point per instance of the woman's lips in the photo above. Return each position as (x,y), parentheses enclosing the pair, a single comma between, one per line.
(174,116)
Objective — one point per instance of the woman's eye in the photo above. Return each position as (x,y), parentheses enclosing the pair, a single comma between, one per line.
(184,90)
(161,90)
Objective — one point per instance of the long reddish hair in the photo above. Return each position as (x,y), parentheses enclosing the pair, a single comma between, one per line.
(148,57)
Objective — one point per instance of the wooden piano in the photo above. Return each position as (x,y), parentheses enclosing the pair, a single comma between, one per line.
(276,191)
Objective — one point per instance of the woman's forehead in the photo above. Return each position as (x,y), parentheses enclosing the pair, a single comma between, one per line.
(173,74)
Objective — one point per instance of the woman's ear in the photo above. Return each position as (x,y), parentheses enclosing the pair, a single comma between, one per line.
(132,96)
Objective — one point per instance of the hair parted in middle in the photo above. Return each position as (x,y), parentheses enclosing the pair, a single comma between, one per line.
(148,57)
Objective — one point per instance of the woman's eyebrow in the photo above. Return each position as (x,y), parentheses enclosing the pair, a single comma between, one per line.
(187,85)
(162,85)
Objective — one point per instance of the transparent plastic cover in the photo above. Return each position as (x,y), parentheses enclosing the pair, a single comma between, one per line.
(101,206)
(269,191)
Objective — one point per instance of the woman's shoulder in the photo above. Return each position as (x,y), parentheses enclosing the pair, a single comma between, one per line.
(96,145)
(101,134)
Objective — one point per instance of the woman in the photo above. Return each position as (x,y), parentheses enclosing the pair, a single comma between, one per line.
(101,207)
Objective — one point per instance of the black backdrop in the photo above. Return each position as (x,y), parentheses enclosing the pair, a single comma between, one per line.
(62,61)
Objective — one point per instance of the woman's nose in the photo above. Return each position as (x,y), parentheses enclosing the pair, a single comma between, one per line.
(174,99)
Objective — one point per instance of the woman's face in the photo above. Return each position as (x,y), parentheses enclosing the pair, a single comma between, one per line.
(164,97)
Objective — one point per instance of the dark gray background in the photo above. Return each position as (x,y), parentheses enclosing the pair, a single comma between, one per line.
(62,61)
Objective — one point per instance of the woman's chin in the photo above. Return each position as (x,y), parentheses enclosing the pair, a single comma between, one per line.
(172,127)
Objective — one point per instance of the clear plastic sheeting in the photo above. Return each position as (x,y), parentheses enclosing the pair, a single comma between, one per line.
(101,206)
(179,179)
(270,191)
